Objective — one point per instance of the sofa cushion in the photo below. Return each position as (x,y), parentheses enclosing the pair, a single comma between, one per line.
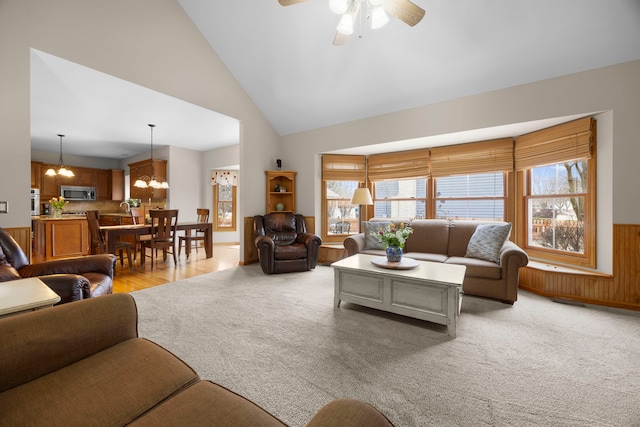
(7,272)
(423,256)
(477,267)
(430,236)
(371,241)
(111,387)
(206,403)
(486,242)
(294,251)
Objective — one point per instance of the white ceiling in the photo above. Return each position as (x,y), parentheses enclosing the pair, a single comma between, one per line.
(103,116)
(285,60)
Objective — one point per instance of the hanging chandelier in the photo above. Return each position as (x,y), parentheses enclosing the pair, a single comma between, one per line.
(151,182)
(62,170)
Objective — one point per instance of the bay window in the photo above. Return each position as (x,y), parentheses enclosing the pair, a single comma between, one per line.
(556,170)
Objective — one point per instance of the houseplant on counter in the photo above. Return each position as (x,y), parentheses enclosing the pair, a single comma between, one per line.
(393,239)
(58,204)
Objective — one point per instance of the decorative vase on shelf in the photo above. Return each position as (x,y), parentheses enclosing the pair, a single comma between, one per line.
(57,213)
(279,206)
(394,253)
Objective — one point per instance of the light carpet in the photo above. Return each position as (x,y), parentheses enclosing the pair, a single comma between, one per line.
(278,341)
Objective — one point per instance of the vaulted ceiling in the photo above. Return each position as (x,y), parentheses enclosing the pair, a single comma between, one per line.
(285,60)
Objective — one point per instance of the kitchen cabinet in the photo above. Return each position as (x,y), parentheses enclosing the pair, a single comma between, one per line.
(49,186)
(281,191)
(84,177)
(109,184)
(55,238)
(147,168)
(35,174)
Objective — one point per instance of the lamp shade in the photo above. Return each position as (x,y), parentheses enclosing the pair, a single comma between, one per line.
(361,196)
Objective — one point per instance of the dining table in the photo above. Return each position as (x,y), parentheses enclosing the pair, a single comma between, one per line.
(111,232)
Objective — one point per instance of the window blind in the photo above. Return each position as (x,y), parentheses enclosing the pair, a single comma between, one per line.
(557,144)
(477,157)
(344,168)
(399,165)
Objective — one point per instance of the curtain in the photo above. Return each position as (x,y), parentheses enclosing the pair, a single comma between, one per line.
(224,178)
(557,144)
(343,168)
(399,165)
(477,157)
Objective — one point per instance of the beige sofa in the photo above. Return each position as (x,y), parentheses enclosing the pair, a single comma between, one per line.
(83,364)
(447,241)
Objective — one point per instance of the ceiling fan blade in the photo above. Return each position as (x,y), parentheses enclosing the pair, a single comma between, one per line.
(340,39)
(290,2)
(404,10)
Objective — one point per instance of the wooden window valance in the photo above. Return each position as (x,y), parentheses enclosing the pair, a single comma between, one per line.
(476,157)
(337,167)
(557,144)
(399,165)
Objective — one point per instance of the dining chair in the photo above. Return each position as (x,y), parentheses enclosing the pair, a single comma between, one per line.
(98,242)
(164,224)
(138,217)
(191,241)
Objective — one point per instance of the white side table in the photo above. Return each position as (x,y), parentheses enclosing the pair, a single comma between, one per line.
(17,296)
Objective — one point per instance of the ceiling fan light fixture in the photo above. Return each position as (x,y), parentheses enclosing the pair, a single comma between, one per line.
(338,6)
(346,25)
(378,18)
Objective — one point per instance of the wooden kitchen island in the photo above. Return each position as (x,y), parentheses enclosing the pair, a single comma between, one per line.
(55,238)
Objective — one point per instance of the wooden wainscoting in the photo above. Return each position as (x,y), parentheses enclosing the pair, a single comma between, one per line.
(621,290)
(22,235)
(250,253)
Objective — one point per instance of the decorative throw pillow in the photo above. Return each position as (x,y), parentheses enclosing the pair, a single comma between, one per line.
(371,242)
(487,241)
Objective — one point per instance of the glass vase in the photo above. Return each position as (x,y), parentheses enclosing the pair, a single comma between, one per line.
(57,213)
(394,253)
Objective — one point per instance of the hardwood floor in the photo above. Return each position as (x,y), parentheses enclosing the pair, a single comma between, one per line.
(125,280)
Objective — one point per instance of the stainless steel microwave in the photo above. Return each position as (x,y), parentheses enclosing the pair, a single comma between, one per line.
(74,192)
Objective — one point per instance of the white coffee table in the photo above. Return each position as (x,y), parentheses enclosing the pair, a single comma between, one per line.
(17,296)
(432,291)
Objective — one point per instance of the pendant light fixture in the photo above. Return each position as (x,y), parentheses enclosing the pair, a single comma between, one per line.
(62,170)
(151,182)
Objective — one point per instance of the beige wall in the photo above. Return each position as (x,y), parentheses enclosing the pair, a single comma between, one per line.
(614,91)
(125,39)
(128,38)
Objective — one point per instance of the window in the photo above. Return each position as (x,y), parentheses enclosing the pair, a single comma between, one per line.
(555,206)
(556,171)
(475,197)
(342,216)
(406,198)
(341,175)
(224,205)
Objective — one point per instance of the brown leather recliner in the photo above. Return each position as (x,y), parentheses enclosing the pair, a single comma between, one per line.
(283,243)
(72,279)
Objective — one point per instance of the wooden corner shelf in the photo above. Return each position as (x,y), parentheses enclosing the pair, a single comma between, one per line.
(276,198)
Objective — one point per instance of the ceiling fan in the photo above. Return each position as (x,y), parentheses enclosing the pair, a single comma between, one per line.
(404,10)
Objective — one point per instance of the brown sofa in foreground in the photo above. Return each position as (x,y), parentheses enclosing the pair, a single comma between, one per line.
(447,241)
(73,279)
(83,364)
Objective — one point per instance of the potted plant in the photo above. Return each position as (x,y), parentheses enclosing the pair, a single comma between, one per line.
(393,239)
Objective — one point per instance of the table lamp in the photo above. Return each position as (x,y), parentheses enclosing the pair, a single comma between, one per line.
(361,196)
